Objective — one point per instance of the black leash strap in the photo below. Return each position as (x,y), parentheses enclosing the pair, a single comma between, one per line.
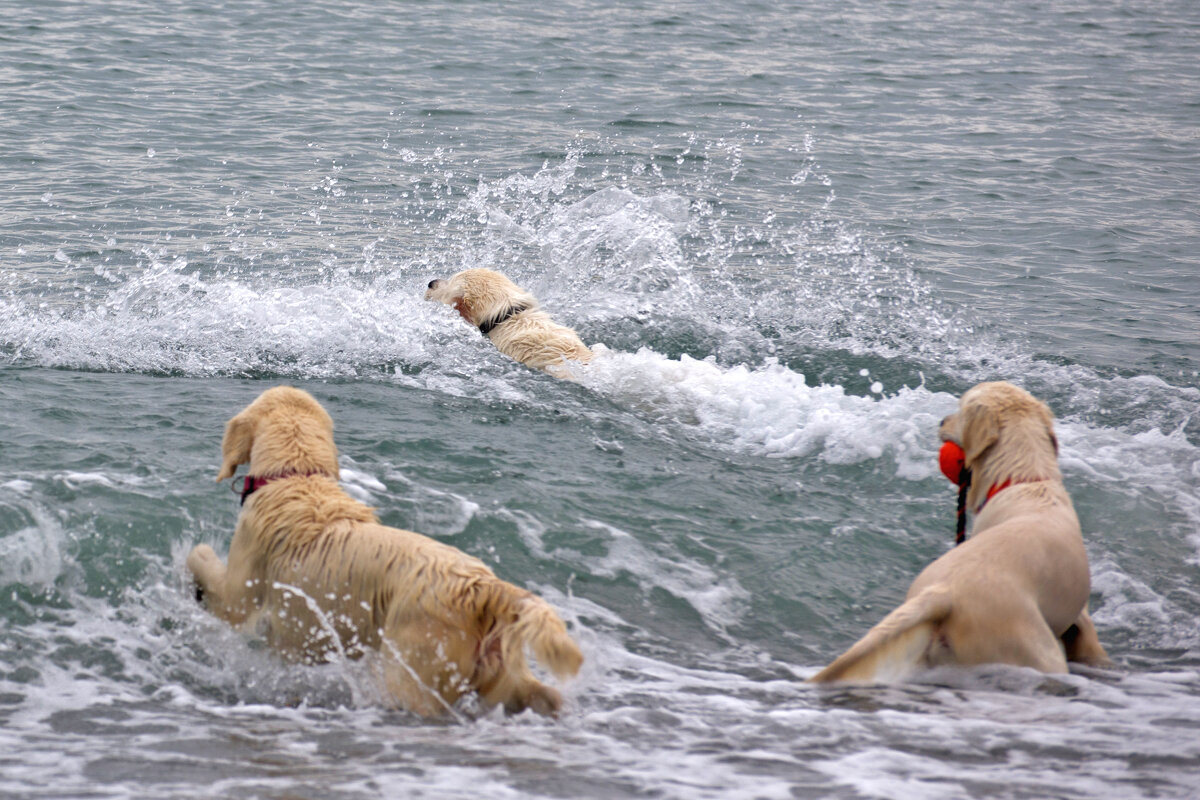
(488,325)
(960,525)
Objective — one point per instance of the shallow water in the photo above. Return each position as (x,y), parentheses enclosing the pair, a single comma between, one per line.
(797,233)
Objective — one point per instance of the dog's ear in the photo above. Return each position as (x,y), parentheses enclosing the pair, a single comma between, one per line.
(1048,420)
(235,446)
(980,430)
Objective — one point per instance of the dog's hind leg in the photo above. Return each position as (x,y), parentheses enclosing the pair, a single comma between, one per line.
(424,669)
(901,643)
(405,689)
(1082,644)
(516,690)
(1030,643)
(534,694)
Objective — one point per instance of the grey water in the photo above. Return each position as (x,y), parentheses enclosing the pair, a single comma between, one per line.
(794,232)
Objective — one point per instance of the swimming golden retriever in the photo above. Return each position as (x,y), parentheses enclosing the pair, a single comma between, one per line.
(314,571)
(512,319)
(1016,591)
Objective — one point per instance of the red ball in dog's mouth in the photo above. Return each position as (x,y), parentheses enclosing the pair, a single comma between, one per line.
(952,460)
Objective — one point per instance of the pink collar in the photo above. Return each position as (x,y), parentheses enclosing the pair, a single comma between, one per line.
(252,483)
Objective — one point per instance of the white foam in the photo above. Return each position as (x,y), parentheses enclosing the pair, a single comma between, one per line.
(772,410)
(358,484)
(1146,465)
(603,251)
(435,512)
(642,232)
(77,479)
(165,321)
(1130,604)
(33,555)
(720,601)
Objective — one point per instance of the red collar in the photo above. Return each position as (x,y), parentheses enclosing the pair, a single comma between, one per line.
(952,461)
(252,483)
(997,488)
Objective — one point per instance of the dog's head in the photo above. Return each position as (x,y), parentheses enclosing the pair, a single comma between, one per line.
(284,430)
(1005,431)
(480,295)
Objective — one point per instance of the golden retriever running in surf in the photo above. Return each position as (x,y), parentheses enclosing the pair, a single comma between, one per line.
(1016,591)
(511,318)
(313,570)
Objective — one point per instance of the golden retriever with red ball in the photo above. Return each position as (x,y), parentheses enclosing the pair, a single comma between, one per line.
(1016,591)
(312,569)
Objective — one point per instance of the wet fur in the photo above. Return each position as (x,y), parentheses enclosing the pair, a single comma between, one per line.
(530,336)
(1016,591)
(314,571)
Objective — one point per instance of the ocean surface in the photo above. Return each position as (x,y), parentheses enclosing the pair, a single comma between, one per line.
(795,232)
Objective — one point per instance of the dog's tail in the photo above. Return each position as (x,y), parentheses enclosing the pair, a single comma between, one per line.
(897,646)
(523,621)
(537,626)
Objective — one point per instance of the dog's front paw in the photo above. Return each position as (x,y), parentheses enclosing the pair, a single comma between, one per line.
(202,562)
(202,556)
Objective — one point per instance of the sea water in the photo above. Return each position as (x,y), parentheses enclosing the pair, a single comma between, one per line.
(794,233)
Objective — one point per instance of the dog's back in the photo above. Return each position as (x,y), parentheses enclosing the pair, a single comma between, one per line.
(337,583)
(536,340)
(511,317)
